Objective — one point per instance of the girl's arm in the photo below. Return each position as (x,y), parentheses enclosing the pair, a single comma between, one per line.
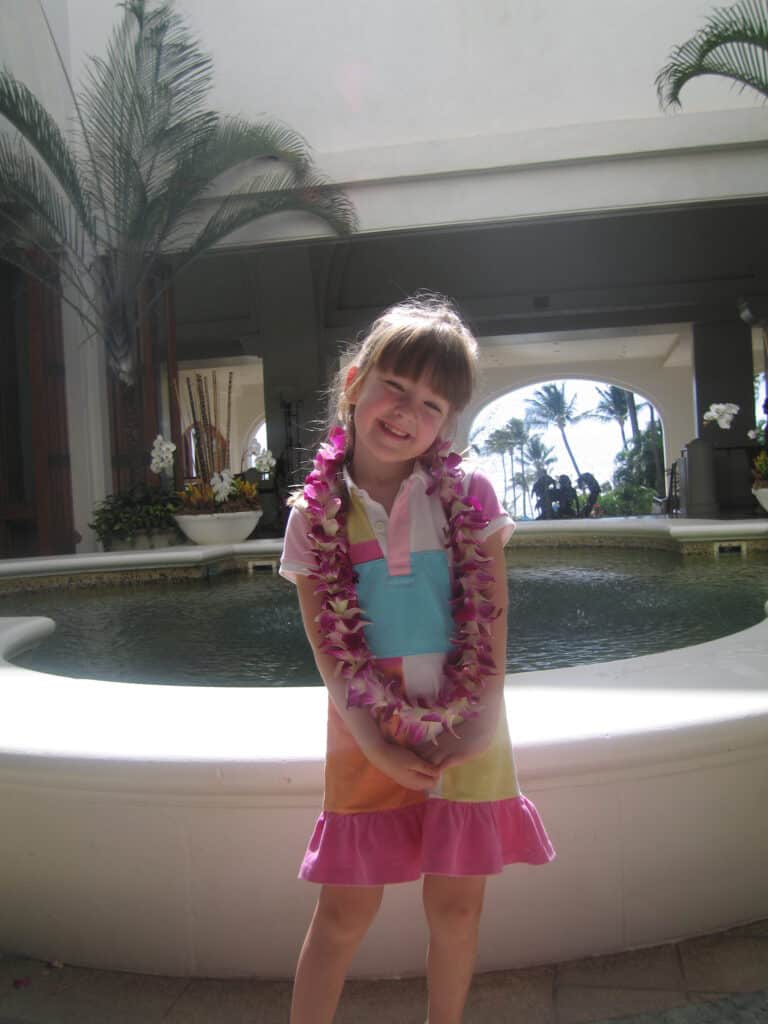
(401,764)
(477,734)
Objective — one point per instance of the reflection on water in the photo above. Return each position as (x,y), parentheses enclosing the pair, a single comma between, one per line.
(567,607)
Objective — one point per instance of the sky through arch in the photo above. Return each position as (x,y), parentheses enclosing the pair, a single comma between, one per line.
(594,443)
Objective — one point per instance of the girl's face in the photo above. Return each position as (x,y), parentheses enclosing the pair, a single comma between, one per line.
(396,419)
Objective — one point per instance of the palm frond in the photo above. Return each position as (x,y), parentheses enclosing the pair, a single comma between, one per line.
(733,44)
(221,147)
(24,180)
(144,103)
(21,108)
(276,193)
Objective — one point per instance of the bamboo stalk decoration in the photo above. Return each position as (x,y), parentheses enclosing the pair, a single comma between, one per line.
(205,441)
(205,408)
(198,434)
(215,439)
(229,420)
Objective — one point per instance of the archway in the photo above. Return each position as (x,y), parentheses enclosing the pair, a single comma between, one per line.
(567,440)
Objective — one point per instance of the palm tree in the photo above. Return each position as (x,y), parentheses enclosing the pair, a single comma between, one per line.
(549,406)
(539,455)
(97,219)
(518,434)
(732,43)
(613,405)
(498,443)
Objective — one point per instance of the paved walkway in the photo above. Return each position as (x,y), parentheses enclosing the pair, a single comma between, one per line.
(580,992)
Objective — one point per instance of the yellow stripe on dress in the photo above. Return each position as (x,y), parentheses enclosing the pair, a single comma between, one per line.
(488,777)
(358,527)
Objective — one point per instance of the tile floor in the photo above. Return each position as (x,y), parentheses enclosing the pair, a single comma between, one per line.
(579,992)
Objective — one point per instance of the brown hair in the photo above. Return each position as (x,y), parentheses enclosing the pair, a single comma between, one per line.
(422,335)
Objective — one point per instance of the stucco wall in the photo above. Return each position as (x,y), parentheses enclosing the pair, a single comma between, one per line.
(27,51)
(448,111)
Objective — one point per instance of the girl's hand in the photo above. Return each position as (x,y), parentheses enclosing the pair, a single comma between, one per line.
(403,765)
(472,740)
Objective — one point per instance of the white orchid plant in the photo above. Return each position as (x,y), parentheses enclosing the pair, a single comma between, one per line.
(161,456)
(223,493)
(721,413)
(264,462)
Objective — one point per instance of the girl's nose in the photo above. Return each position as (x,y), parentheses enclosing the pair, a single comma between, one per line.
(405,403)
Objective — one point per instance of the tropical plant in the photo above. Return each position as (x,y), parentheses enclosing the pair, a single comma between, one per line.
(539,455)
(99,218)
(518,434)
(498,443)
(760,470)
(637,464)
(625,500)
(550,406)
(225,493)
(125,517)
(732,43)
(612,406)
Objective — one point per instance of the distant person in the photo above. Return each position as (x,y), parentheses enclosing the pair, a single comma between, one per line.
(543,489)
(588,483)
(566,498)
(416,698)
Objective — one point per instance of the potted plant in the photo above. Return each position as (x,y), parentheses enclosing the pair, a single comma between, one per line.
(760,473)
(224,511)
(139,518)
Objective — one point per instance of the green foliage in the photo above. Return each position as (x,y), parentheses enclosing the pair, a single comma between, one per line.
(126,516)
(625,500)
(636,464)
(760,466)
(99,217)
(732,43)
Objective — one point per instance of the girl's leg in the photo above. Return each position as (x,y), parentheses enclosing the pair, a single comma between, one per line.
(342,917)
(453,907)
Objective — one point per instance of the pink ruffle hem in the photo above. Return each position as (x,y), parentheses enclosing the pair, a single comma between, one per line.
(437,837)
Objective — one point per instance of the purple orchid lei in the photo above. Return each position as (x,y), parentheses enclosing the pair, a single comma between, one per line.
(342,620)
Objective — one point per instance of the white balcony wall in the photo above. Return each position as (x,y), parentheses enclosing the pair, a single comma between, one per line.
(446,110)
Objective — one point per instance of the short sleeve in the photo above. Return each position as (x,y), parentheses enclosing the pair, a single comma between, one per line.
(297,558)
(480,487)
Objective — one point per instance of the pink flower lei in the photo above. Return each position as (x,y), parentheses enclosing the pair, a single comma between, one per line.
(341,620)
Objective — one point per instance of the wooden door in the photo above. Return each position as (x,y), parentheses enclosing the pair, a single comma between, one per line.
(35,481)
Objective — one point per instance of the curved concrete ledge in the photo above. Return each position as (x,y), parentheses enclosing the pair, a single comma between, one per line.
(159,829)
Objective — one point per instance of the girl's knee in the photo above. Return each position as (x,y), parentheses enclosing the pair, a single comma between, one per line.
(344,918)
(456,918)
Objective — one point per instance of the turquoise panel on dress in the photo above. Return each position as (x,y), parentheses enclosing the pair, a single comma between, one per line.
(409,614)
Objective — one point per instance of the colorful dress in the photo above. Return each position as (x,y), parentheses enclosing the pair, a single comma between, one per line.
(372,831)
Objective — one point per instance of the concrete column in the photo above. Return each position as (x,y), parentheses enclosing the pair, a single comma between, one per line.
(87,423)
(290,344)
(722,372)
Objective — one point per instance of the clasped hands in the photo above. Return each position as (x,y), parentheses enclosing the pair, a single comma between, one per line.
(420,766)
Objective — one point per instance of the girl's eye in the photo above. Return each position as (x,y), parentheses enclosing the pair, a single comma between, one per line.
(434,407)
(394,384)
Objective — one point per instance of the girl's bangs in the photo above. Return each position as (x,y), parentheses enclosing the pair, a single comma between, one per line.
(440,356)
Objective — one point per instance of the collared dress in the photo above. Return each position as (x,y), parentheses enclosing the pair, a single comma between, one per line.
(373,831)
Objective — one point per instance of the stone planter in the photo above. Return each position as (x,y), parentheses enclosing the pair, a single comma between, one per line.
(144,541)
(219,527)
(761,493)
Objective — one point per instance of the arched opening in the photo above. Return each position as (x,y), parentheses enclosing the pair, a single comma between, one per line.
(255,444)
(572,447)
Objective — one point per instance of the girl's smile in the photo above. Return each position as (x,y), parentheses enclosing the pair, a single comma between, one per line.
(396,421)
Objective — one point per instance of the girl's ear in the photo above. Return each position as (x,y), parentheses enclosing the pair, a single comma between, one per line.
(349,380)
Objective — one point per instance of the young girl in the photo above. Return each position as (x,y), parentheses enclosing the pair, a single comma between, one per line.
(398,559)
